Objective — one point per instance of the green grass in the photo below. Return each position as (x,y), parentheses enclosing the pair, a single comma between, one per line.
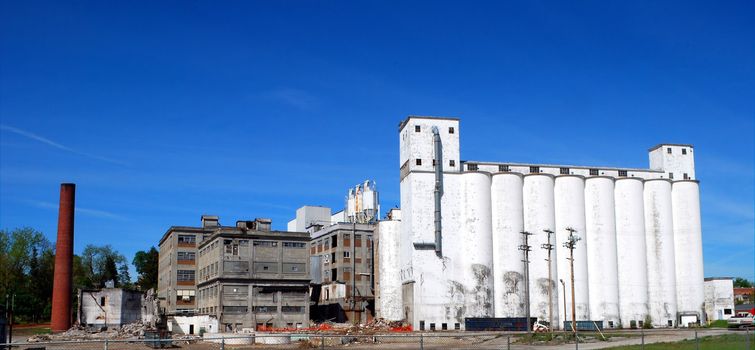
(719,324)
(720,342)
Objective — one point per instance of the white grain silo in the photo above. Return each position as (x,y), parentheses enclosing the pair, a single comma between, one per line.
(390,281)
(630,246)
(688,252)
(601,250)
(659,242)
(508,270)
(569,195)
(477,245)
(539,215)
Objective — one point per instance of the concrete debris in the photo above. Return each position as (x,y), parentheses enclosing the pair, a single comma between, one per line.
(130,331)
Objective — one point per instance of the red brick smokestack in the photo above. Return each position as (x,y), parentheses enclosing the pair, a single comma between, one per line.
(61,292)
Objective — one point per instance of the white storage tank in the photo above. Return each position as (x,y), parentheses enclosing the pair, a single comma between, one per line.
(508,269)
(569,195)
(538,216)
(601,250)
(688,249)
(659,242)
(388,271)
(477,245)
(630,246)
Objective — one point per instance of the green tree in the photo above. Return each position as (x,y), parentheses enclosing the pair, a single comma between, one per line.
(26,272)
(740,282)
(146,266)
(98,264)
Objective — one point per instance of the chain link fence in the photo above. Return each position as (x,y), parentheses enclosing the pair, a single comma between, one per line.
(622,340)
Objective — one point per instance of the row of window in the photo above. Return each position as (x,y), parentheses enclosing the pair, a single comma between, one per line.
(185,275)
(191,256)
(562,171)
(191,239)
(451,163)
(418,128)
(669,151)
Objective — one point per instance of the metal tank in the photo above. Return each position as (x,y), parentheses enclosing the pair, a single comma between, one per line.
(630,246)
(388,271)
(659,242)
(477,245)
(569,198)
(508,272)
(538,205)
(601,250)
(688,250)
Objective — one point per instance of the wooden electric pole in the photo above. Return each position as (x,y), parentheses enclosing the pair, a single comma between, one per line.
(549,247)
(526,248)
(571,244)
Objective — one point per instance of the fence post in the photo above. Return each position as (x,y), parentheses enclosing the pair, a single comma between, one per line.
(508,342)
(322,342)
(642,345)
(697,341)
(421,341)
(748,338)
(106,344)
(222,343)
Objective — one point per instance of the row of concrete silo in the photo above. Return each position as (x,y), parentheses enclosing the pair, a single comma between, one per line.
(640,255)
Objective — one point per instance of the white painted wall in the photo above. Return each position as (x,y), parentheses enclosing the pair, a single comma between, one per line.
(719,297)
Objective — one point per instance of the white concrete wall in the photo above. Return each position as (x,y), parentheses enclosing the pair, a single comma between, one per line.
(507,222)
(688,248)
(719,297)
(630,246)
(659,242)
(601,250)
(390,302)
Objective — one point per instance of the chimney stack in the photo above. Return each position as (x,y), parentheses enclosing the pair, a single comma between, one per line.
(63,273)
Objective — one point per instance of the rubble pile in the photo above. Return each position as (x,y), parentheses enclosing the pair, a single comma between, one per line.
(130,331)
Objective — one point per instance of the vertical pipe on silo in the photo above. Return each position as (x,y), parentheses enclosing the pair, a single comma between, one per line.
(569,197)
(539,215)
(688,248)
(659,242)
(601,249)
(62,279)
(508,273)
(391,300)
(477,245)
(630,244)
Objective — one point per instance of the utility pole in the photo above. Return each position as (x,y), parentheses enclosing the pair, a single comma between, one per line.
(563,287)
(526,248)
(549,247)
(571,244)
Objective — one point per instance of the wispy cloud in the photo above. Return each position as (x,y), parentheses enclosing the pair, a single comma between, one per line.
(294,97)
(59,146)
(88,212)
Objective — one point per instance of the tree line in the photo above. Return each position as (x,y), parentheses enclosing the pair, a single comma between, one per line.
(27,262)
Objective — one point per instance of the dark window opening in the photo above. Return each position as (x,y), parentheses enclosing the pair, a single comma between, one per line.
(432,326)
(417,128)
(534,169)
(422,325)
(419,161)
(564,171)
(593,172)
(452,162)
(668,150)
(503,168)
(457,326)
(333,257)
(623,173)
(610,324)
(444,326)
(472,167)
(334,274)
(102,301)
(671,176)
(684,151)
(433,162)
(727,311)
(451,130)
(670,323)
(686,176)
(334,242)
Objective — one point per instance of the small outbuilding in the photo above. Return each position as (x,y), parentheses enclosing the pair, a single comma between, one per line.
(719,298)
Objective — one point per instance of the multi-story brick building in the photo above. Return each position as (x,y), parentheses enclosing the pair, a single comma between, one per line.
(176,284)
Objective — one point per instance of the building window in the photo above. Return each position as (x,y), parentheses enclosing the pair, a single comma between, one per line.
(189,239)
(472,167)
(670,323)
(422,325)
(593,172)
(457,326)
(686,176)
(623,173)
(191,256)
(668,150)
(727,311)
(417,128)
(503,168)
(432,326)
(684,151)
(534,169)
(292,309)
(265,244)
(451,130)
(433,162)
(346,254)
(297,245)
(185,276)
(418,161)
(444,326)
(102,301)
(334,242)
(564,171)
(671,176)
(452,163)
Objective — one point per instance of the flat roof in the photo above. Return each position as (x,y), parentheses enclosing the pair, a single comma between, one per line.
(403,123)
(560,166)
(669,144)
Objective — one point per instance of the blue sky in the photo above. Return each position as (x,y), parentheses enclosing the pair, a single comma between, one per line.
(163,111)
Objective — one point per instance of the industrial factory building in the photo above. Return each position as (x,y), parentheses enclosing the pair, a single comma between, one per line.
(460,236)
